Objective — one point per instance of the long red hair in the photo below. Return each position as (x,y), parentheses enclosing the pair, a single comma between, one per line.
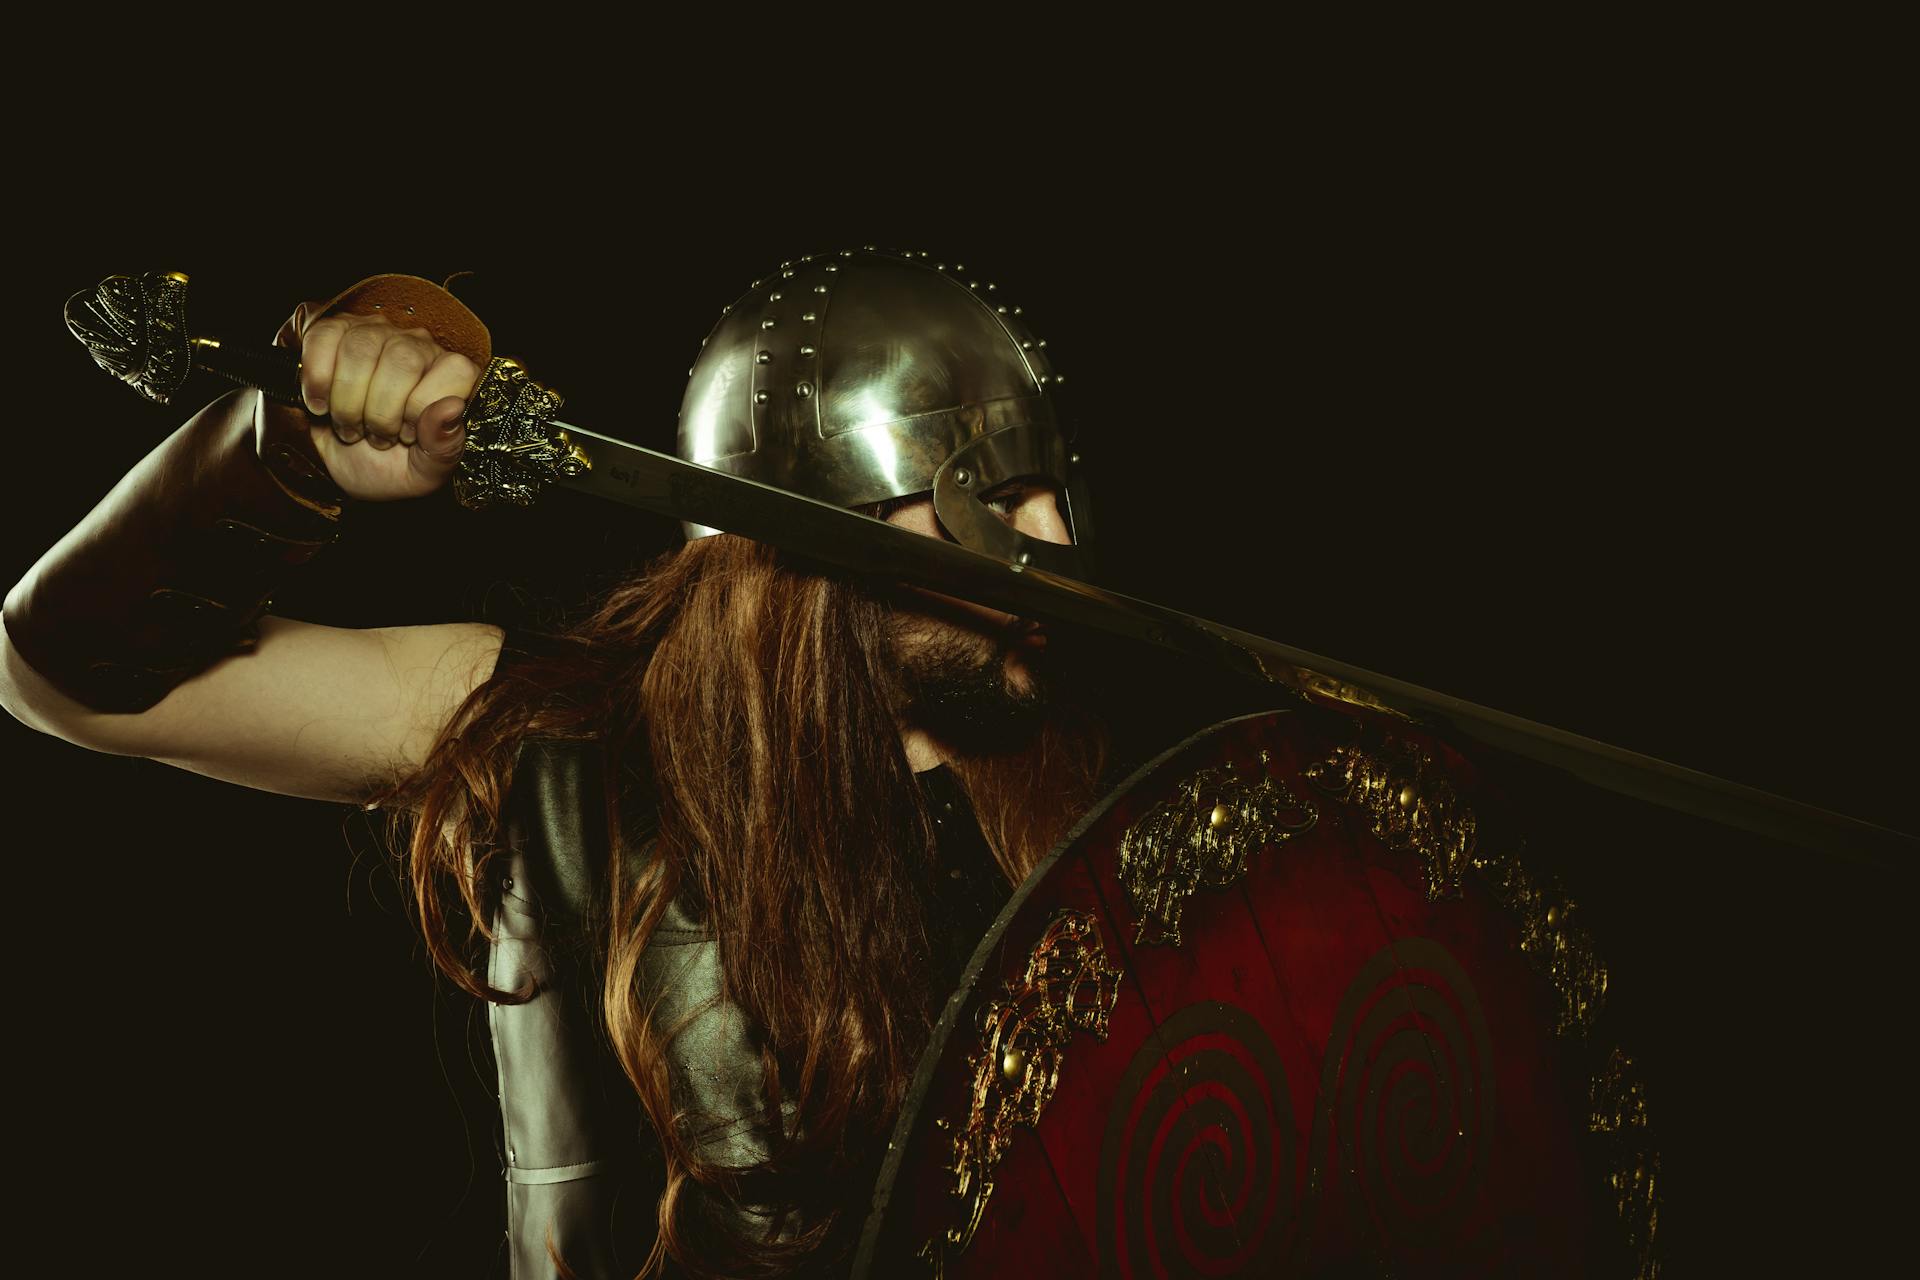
(758,699)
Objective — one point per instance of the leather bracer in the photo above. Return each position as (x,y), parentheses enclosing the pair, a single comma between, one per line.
(172,570)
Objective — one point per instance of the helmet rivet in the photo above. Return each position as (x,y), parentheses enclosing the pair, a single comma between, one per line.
(1059,378)
(1025,557)
(939,266)
(767,323)
(1042,342)
(973,284)
(786,275)
(1073,459)
(1043,379)
(765,357)
(867,247)
(959,266)
(807,352)
(774,296)
(833,266)
(1026,346)
(846,253)
(703,341)
(804,390)
(962,477)
(759,397)
(1001,310)
(1016,311)
(819,288)
(785,265)
(923,253)
(991,286)
(809,316)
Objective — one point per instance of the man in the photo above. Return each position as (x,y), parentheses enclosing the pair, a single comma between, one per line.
(790,764)
(1396,527)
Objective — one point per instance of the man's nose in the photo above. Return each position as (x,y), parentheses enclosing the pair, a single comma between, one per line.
(1041,519)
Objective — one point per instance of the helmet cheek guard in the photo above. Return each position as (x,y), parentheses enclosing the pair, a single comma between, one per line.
(988,461)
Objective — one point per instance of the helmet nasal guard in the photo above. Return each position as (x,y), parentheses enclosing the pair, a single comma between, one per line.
(865,375)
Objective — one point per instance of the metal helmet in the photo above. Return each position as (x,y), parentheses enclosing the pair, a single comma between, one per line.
(867,374)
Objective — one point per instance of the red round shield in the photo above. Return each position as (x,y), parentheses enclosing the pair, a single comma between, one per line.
(1274,1008)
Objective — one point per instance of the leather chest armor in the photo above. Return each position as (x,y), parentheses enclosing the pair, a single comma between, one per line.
(583,1172)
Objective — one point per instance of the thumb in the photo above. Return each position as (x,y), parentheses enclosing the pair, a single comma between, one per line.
(440,439)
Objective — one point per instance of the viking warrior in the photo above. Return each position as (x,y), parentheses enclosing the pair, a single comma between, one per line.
(830,913)
(716,853)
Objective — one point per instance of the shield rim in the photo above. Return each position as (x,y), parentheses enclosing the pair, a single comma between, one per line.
(866,1256)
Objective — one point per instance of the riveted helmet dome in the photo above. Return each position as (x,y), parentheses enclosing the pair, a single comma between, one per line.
(863,375)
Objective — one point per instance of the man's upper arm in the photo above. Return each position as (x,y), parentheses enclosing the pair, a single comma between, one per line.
(324,712)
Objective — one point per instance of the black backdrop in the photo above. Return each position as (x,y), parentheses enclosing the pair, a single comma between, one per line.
(1624,459)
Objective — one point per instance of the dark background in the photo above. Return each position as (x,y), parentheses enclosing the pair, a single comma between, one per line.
(1609,443)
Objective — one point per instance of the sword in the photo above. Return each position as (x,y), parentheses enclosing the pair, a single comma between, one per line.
(517,449)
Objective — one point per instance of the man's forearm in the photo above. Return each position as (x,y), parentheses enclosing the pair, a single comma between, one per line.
(171,570)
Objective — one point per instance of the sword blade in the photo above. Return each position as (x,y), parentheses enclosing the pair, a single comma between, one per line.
(630,474)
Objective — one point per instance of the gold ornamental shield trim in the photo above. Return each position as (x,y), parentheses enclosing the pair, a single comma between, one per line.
(1201,839)
(1069,985)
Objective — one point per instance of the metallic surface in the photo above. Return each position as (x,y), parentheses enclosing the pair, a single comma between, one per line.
(641,477)
(714,499)
(514,448)
(1201,838)
(1412,804)
(1338,1073)
(1069,986)
(872,374)
(1552,937)
(1618,1119)
(135,327)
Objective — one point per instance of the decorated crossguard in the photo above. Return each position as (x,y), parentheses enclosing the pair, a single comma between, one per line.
(136,328)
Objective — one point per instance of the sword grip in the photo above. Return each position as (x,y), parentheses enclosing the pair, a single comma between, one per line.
(274,371)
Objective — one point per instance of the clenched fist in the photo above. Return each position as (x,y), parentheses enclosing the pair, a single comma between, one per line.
(377,386)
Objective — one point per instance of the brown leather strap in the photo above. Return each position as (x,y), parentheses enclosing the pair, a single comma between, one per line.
(173,568)
(408,301)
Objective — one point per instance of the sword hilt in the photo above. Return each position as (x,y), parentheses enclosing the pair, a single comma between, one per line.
(135,327)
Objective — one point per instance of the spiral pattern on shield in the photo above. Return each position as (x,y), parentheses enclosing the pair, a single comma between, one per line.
(1406,1104)
(1197,1166)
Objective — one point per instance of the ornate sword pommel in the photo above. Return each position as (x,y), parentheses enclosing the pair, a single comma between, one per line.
(135,327)
(513,449)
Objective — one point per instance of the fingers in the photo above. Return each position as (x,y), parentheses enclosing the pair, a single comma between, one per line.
(374,380)
(356,355)
(319,353)
(442,440)
(403,364)
(451,377)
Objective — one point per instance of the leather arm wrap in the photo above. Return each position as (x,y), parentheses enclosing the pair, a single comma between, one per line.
(172,570)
